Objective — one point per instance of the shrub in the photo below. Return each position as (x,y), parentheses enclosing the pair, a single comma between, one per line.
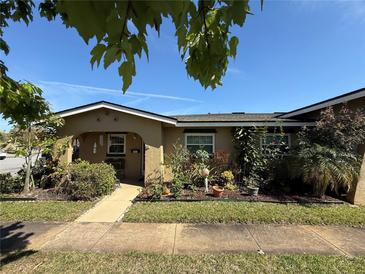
(344,130)
(201,159)
(177,188)
(87,181)
(326,155)
(231,186)
(227,176)
(322,167)
(251,160)
(155,190)
(9,184)
(179,163)
(41,172)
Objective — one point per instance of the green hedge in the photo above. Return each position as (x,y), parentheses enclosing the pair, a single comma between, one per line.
(89,181)
(9,184)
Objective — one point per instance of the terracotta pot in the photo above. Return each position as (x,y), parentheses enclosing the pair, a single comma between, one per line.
(166,191)
(217,191)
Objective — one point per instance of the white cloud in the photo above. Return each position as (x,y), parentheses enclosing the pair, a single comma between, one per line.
(81,89)
(138,101)
(350,11)
(181,111)
(234,70)
(353,11)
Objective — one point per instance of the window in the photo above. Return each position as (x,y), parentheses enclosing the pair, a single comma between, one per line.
(196,141)
(275,141)
(116,144)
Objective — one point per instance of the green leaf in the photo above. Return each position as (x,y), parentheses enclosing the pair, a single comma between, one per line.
(233,46)
(4,46)
(127,71)
(118,30)
(97,52)
(111,54)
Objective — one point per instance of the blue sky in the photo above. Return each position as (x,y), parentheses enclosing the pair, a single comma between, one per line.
(291,54)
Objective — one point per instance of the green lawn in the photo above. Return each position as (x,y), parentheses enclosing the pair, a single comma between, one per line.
(245,212)
(77,262)
(42,210)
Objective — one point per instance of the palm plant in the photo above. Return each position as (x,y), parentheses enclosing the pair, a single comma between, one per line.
(325,167)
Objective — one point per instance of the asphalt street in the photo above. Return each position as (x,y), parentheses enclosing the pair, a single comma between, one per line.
(11,164)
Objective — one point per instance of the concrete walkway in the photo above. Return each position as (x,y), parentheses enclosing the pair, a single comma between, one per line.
(193,238)
(112,207)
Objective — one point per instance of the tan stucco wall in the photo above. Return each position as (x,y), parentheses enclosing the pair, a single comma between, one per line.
(133,161)
(223,141)
(357,194)
(104,120)
(87,141)
(173,135)
(66,156)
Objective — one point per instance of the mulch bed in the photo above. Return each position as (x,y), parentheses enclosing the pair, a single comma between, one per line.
(241,195)
(37,194)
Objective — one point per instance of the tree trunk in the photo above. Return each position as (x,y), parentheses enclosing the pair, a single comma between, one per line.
(27,177)
(28,160)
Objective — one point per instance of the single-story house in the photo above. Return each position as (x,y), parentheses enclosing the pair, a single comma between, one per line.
(137,141)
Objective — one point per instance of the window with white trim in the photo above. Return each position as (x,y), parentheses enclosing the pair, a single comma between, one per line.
(274,140)
(200,141)
(116,143)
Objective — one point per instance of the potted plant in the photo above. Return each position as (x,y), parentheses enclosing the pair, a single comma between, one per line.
(217,191)
(228,177)
(252,186)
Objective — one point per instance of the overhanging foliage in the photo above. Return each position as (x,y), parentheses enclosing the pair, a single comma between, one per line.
(119,30)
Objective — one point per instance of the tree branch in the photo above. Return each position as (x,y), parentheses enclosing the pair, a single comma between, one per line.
(125,21)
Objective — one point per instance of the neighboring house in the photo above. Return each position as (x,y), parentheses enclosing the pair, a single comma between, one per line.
(136,141)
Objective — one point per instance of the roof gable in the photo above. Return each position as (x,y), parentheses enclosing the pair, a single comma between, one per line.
(326,103)
(116,107)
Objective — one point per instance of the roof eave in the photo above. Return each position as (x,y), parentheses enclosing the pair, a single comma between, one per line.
(245,124)
(116,107)
(327,103)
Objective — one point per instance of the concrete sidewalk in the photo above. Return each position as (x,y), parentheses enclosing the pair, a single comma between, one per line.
(200,238)
(112,207)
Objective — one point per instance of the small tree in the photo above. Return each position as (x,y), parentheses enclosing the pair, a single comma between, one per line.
(178,161)
(3,138)
(253,162)
(324,167)
(344,130)
(327,152)
(25,108)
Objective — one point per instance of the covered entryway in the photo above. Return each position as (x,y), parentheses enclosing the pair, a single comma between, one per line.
(130,139)
(123,150)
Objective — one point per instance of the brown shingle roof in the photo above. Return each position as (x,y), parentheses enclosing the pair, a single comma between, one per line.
(231,117)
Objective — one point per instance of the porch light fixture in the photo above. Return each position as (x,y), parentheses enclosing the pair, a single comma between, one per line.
(94,148)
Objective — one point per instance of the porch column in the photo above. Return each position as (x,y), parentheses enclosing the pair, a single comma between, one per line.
(63,149)
(357,196)
(153,156)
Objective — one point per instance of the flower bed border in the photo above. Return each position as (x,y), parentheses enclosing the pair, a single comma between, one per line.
(168,200)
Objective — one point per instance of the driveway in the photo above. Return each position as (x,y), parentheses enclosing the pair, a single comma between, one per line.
(12,164)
